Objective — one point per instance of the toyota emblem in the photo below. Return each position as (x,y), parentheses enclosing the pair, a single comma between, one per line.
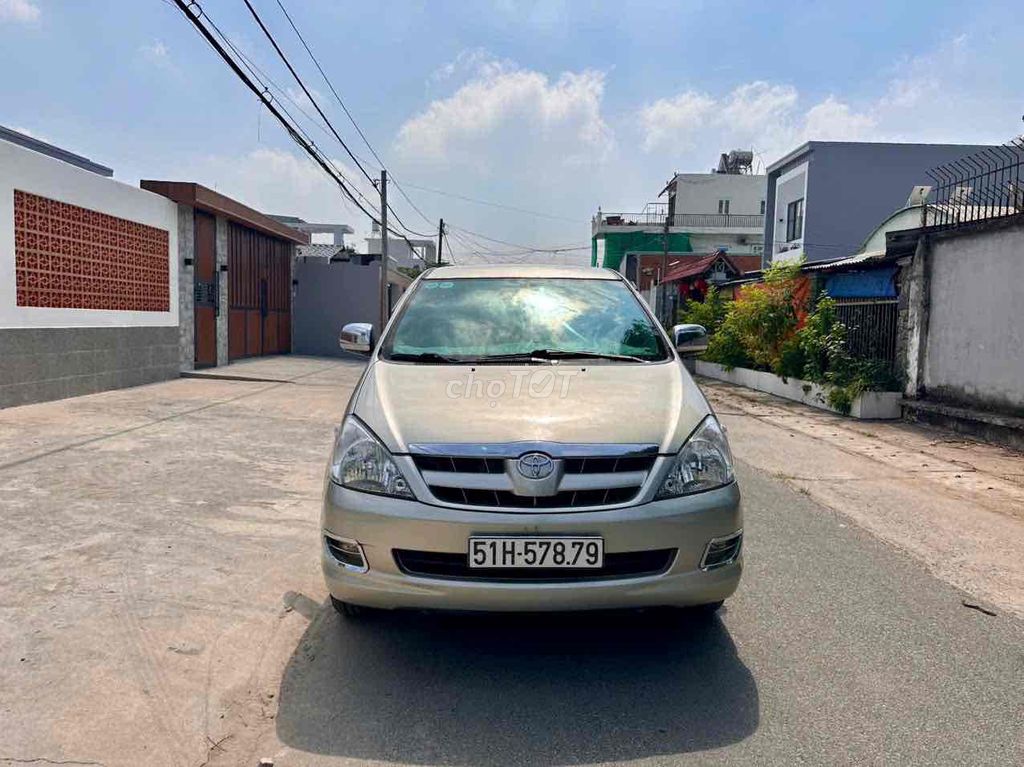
(535,465)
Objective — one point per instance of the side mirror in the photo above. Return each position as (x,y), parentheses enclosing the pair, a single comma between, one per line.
(356,337)
(691,340)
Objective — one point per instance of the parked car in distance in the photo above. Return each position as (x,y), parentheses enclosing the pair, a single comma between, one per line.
(526,438)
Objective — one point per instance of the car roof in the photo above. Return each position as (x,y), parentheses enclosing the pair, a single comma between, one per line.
(522,270)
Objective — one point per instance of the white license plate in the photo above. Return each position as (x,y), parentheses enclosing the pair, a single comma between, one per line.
(515,551)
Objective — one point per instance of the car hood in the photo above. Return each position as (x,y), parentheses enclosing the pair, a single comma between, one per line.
(653,404)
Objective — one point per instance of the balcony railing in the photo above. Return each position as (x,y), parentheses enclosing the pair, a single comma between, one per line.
(684,220)
(719,220)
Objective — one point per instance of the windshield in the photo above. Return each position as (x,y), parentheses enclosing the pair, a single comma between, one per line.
(482,317)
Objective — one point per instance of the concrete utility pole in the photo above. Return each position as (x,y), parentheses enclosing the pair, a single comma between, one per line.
(383,250)
(440,241)
(664,268)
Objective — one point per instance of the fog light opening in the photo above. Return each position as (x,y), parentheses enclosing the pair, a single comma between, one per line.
(722,551)
(347,553)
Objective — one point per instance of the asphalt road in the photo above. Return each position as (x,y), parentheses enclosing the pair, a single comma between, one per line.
(836,650)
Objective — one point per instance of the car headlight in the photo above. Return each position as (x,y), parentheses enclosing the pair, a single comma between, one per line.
(703,463)
(361,462)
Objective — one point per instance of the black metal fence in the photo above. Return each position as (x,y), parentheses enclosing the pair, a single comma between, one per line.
(870,328)
(985,185)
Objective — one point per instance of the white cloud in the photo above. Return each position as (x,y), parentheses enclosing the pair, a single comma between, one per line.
(156,53)
(757,105)
(469,60)
(299,97)
(675,119)
(832,120)
(947,95)
(758,114)
(19,10)
(504,106)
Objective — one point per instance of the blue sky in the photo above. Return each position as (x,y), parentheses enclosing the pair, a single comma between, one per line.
(555,107)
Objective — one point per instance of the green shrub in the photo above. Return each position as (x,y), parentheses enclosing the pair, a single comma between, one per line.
(726,348)
(791,359)
(760,322)
(760,330)
(710,313)
(823,341)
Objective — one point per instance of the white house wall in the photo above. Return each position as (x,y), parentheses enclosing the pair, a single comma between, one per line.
(789,188)
(38,174)
(700,193)
(49,353)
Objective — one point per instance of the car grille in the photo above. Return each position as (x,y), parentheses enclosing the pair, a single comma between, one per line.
(490,481)
(504,498)
(599,465)
(448,566)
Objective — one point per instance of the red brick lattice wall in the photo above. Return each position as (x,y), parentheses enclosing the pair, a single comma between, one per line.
(70,257)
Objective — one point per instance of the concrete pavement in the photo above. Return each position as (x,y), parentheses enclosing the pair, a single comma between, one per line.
(160,604)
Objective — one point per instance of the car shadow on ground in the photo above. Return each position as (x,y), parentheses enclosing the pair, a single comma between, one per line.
(515,689)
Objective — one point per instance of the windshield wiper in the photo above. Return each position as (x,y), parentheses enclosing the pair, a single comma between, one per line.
(540,355)
(429,357)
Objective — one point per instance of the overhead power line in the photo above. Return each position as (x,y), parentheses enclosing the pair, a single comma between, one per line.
(323,116)
(257,83)
(341,103)
(294,131)
(500,205)
(530,248)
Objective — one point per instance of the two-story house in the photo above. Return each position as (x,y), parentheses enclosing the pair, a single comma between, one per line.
(696,215)
(826,197)
(701,213)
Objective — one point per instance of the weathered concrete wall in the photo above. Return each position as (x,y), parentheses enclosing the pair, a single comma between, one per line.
(40,364)
(974,353)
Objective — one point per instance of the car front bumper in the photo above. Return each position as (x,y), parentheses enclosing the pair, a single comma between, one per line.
(381,524)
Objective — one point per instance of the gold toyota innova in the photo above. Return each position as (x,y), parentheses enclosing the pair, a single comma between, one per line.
(527,438)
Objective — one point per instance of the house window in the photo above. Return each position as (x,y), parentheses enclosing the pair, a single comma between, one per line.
(795,220)
(762,207)
(723,207)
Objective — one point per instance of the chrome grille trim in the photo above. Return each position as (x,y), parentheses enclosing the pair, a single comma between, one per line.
(502,481)
(584,476)
(516,449)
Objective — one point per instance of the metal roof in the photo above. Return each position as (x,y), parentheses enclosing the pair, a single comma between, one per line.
(844,263)
(29,142)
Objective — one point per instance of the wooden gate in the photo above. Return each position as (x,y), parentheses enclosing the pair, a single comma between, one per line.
(205,290)
(260,293)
